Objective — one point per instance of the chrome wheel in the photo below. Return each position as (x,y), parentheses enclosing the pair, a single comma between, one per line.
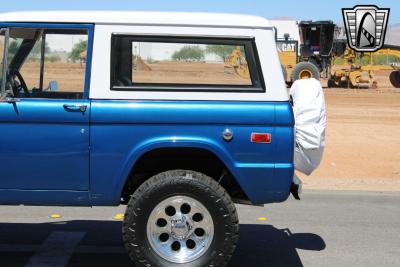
(180,229)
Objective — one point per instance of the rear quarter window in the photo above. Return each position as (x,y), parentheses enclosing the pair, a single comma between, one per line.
(162,63)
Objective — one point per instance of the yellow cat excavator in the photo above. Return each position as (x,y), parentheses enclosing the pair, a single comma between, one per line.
(309,57)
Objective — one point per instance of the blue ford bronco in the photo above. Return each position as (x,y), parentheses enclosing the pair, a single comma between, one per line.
(177,115)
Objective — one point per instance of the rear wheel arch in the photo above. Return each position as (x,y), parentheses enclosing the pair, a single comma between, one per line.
(163,159)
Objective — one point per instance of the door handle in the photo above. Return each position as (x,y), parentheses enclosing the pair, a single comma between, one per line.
(73,107)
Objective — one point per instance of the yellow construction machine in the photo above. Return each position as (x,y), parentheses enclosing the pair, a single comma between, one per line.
(362,75)
(288,56)
(140,65)
(237,61)
(312,57)
(390,50)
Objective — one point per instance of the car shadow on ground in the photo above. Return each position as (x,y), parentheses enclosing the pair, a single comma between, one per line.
(259,245)
(265,245)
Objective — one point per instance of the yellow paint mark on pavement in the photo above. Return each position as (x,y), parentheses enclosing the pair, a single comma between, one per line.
(55,216)
(262,219)
(118,216)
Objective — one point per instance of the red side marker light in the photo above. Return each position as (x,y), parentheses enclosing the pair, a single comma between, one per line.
(261,138)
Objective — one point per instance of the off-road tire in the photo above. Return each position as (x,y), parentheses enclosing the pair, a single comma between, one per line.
(181,183)
(395,78)
(301,66)
(331,83)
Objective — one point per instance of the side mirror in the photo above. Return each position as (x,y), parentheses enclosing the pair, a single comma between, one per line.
(53,86)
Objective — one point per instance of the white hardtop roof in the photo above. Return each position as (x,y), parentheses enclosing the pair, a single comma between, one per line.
(139,18)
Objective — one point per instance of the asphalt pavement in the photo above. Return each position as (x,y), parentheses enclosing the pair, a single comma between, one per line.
(325,228)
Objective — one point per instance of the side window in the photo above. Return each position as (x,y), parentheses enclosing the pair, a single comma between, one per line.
(65,60)
(176,63)
(53,61)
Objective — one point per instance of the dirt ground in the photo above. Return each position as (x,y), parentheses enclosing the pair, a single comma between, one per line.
(189,73)
(362,139)
(69,76)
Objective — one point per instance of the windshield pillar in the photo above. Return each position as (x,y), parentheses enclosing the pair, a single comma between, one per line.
(4,69)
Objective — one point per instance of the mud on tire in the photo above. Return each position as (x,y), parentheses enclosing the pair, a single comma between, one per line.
(174,207)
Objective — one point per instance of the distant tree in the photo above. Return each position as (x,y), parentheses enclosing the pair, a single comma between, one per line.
(187,52)
(77,50)
(221,51)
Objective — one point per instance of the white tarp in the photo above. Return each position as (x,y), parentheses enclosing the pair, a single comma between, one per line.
(310,116)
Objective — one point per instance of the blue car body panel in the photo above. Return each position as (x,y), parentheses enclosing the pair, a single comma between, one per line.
(44,146)
(44,197)
(122,131)
(55,156)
